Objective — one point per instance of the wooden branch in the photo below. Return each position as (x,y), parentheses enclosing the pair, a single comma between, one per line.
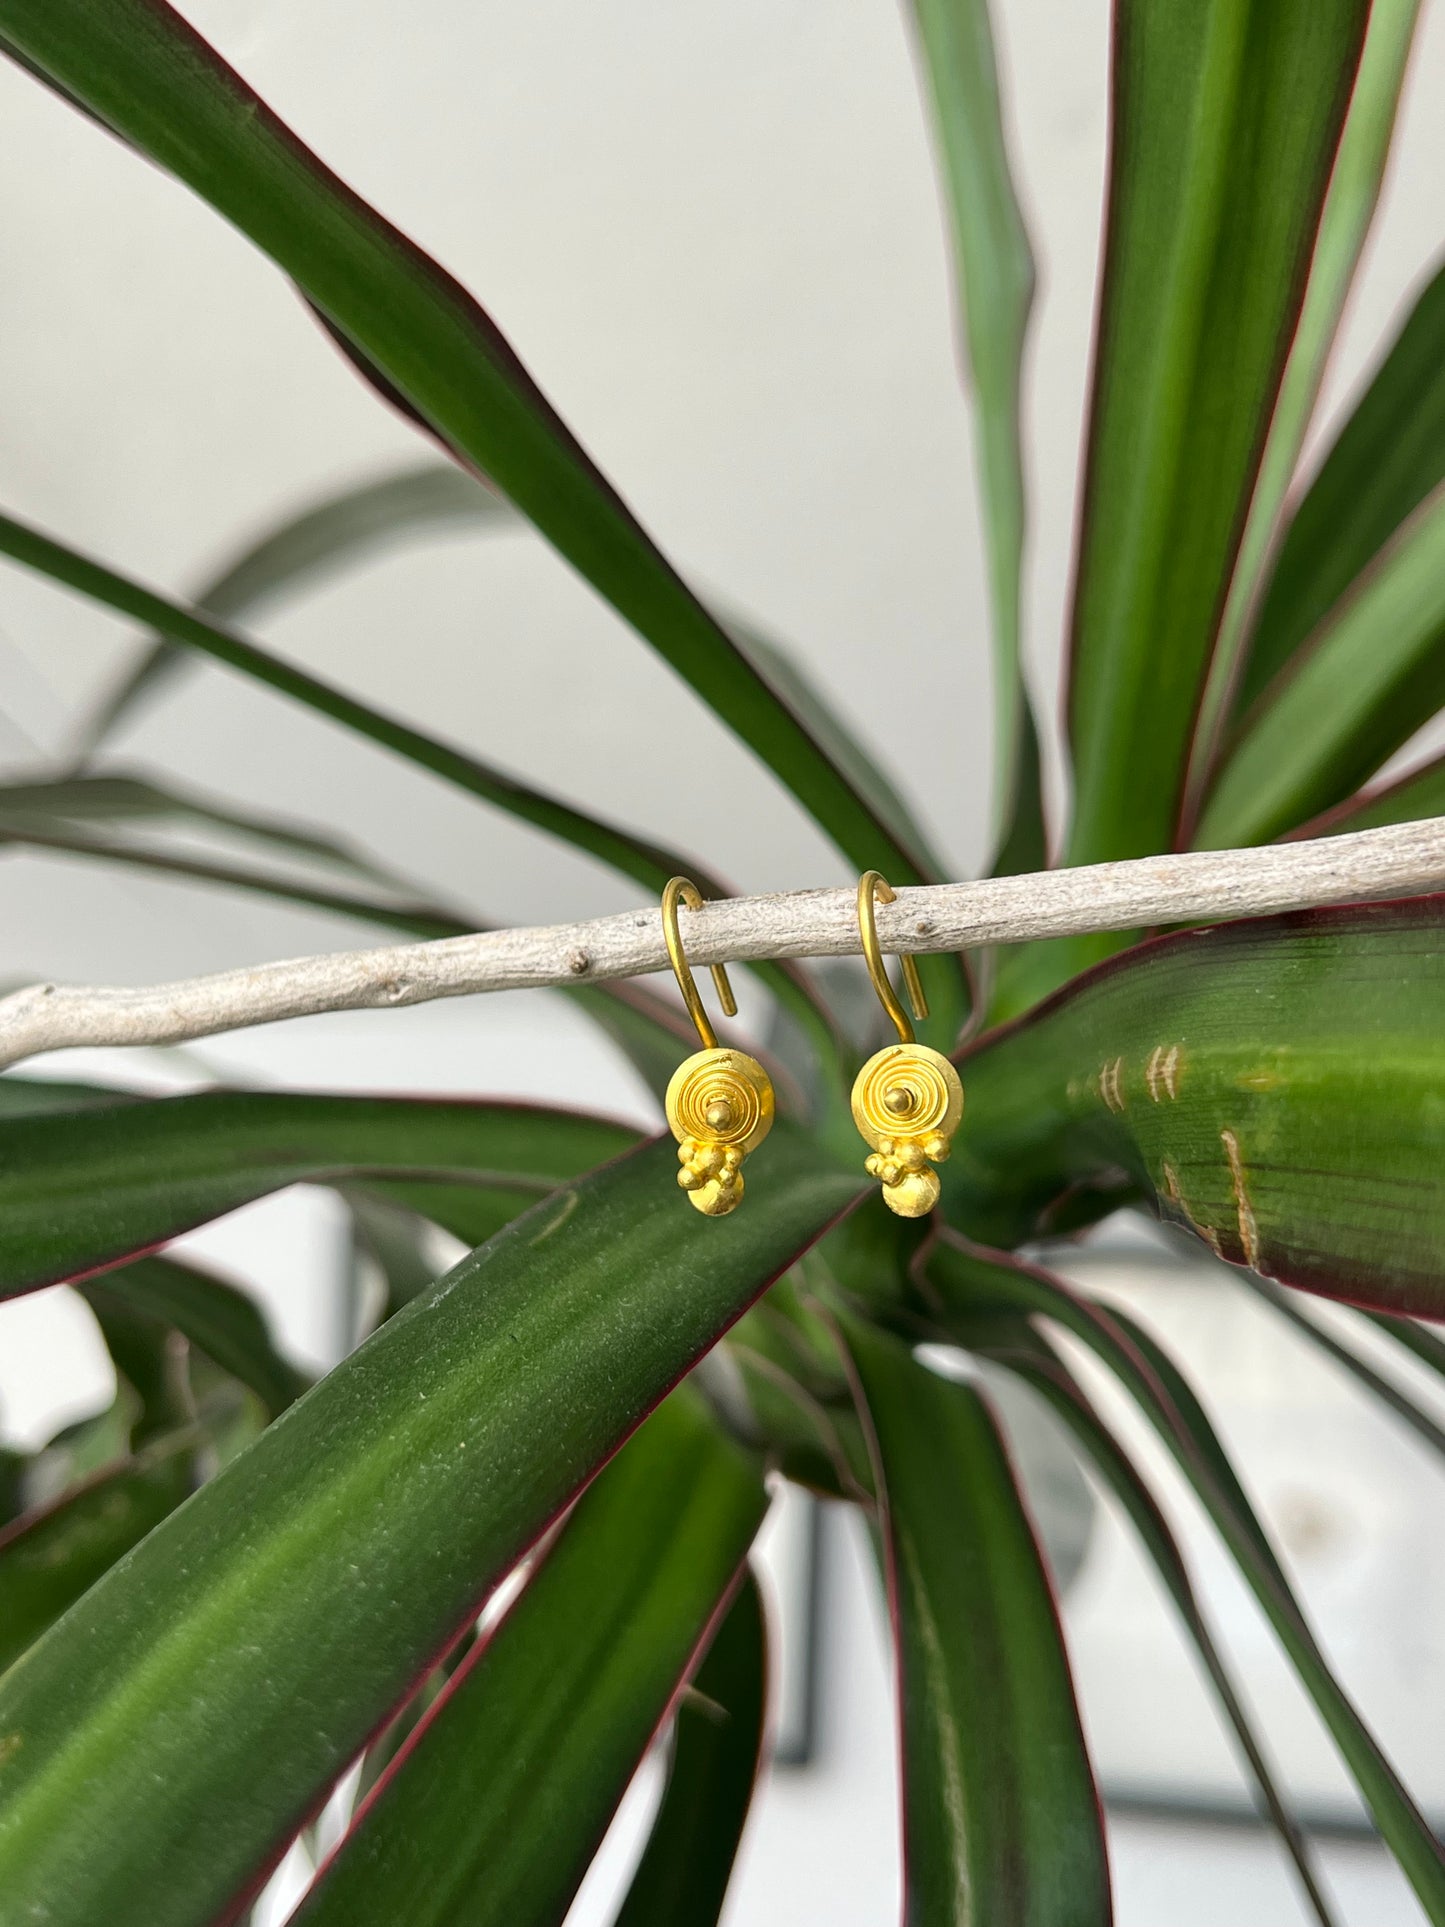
(1202,886)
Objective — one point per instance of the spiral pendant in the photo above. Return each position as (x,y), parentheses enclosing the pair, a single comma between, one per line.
(907,1103)
(719,1107)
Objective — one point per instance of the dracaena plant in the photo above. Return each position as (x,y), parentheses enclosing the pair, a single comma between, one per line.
(222,1593)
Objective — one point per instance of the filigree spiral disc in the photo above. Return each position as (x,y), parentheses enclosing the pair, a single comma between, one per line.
(907,1091)
(720,1097)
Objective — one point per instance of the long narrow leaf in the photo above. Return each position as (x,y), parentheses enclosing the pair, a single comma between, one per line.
(85,1190)
(1420,1342)
(299,552)
(647,863)
(1349,211)
(682,1878)
(1029,1355)
(495,1808)
(1226,117)
(1001,1816)
(1366,680)
(1388,457)
(1376,1383)
(198,1702)
(962,1280)
(152,78)
(995,275)
(1273,1084)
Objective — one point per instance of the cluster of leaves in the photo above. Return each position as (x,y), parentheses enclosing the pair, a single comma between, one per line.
(228,1588)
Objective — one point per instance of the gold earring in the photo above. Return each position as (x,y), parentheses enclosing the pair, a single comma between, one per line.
(719,1102)
(907,1099)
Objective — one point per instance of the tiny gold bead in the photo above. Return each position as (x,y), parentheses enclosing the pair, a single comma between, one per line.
(720,1114)
(901,1099)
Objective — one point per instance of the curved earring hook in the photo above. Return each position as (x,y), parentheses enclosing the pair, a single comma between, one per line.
(873,889)
(681,889)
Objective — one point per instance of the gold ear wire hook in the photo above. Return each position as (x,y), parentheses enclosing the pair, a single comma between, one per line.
(681,889)
(873,889)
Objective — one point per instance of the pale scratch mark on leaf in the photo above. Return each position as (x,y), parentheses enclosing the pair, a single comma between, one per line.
(1109,1084)
(1181,1204)
(567,1206)
(1151,1073)
(1243,1208)
(1264,1079)
(1170,1068)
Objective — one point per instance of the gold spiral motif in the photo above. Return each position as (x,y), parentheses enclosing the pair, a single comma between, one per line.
(907,1092)
(907,1103)
(720,1097)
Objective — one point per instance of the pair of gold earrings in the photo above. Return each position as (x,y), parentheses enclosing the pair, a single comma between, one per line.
(907,1099)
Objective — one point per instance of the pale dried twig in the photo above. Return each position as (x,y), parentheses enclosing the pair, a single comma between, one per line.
(1201,886)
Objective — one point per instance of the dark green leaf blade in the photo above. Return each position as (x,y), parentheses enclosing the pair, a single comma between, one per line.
(1226,120)
(84,1190)
(301,551)
(213,1315)
(494,1811)
(682,1878)
(195,1705)
(156,81)
(1273,1084)
(49,1557)
(1001,1815)
(964,1280)
(1388,457)
(1349,212)
(1029,1355)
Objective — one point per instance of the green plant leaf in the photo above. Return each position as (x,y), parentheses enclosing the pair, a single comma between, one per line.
(963,1281)
(197,1703)
(647,863)
(501,1799)
(1349,212)
(1368,678)
(1376,1383)
(994,270)
(1001,1817)
(213,1315)
(1416,1339)
(1226,117)
(84,1190)
(682,1878)
(298,553)
(1388,457)
(50,1557)
(155,81)
(1273,1084)
(1025,1352)
(1419,794)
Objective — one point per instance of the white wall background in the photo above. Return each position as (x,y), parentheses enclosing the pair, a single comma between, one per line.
(712,232)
